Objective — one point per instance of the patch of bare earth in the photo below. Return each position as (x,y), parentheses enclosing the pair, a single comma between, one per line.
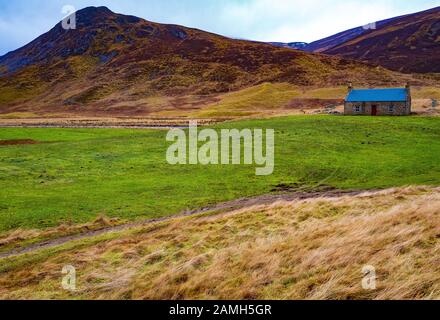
(17,142)
(312,248)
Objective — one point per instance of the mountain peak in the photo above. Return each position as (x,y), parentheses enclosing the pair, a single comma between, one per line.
(95,11)
(91,15)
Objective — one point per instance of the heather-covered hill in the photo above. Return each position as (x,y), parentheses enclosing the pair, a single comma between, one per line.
(341,37)
(409,44)
(117,64)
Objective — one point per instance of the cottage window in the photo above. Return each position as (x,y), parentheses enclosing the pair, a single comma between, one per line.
(357,108)
(391,109)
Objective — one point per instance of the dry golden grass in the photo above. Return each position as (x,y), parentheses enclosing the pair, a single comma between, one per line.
(305,249)
(23,237)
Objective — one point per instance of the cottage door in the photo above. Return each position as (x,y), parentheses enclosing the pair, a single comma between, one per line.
(374,110)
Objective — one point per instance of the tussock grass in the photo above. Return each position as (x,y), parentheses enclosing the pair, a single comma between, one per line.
(426,93)
(18,115)
(22,237)
(304,249)
(252,100)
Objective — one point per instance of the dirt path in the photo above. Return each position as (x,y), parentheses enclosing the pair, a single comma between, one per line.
(219,209)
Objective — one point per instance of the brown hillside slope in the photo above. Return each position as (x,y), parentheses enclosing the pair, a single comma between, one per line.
(305,249)
(407,44)
(124,65)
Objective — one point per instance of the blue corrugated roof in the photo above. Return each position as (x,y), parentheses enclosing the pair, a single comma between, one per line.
(377,95)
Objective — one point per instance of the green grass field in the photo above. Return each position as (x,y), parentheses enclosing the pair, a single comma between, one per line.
(77,174)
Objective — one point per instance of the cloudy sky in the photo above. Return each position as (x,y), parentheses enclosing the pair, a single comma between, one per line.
(265,20)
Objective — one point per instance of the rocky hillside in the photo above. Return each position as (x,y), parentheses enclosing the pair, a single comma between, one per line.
(409,44)
(120,64)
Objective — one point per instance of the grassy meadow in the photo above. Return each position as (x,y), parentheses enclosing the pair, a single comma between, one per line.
(75,175)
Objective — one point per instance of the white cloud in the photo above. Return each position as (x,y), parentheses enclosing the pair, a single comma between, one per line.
(301,20)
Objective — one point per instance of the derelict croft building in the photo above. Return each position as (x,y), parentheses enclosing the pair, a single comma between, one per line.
(378,102)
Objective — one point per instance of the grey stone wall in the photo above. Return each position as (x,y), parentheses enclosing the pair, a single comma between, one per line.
(383,108)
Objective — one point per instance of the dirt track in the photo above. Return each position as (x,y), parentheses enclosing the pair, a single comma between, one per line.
(219,209)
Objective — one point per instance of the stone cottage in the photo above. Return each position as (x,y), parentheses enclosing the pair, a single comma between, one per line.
(378,102)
